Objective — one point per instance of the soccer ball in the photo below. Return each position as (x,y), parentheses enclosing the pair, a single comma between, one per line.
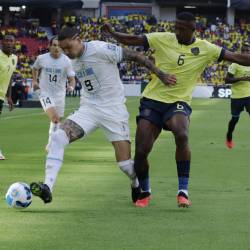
(19,195)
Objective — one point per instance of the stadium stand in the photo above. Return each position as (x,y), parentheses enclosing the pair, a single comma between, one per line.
(32,40)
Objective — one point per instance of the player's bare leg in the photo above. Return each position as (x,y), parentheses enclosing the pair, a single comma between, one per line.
(126,164)
(146,134)
(69,132)
(55,122)
(179,125)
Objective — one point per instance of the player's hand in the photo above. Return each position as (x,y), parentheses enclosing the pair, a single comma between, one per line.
(35,85)
(70,89)
(107,29)
(10,103)
(167,79)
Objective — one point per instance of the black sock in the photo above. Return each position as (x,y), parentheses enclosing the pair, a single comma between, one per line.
(231,126)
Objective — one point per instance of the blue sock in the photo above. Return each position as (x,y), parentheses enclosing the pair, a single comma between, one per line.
(144,184)
(183,169)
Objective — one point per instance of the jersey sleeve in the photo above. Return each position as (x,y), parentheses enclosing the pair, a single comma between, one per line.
(215,53)
(154,38)
(111,52)
(232,69)
(37,63)
(70,70)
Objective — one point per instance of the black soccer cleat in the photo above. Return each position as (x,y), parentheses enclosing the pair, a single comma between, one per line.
(41,190)
(135,193)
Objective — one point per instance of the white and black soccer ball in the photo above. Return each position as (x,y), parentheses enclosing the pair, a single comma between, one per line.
(19,195)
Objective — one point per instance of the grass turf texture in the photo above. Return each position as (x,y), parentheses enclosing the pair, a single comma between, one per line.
(91,206)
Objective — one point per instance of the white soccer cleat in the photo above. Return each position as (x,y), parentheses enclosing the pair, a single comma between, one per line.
(1,156)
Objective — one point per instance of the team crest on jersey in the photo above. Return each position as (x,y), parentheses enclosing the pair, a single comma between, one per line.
(195,51)
(13,61)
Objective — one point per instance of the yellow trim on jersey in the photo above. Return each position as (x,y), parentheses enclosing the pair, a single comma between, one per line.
(187,62)
(240,89)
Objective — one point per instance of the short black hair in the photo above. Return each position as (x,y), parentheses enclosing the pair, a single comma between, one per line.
(52,39)
(68,32)
(186,16)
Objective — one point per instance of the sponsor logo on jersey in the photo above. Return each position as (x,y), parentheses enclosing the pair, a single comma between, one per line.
(53,70)
(111,47)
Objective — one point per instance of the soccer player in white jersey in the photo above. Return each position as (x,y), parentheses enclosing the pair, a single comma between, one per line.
(53,69)
(102,105)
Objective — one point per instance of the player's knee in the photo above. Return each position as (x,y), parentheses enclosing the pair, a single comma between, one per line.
(59,138)
(142,150)
(55,118)
(181,138)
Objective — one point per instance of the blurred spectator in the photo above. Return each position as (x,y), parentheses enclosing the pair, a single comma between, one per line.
(217,32)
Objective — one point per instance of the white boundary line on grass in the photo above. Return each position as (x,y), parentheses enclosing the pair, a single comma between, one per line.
(24,115)
(40,113)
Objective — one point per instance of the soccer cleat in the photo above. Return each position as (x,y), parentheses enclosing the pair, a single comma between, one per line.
(1,156)
(135,193)
(182,200)
(143,200)
(41,190)
(230,144)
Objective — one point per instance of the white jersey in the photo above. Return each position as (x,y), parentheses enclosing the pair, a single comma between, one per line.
(54,73)
(98,73)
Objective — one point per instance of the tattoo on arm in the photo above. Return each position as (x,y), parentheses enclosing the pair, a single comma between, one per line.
(72,130)
(131,55)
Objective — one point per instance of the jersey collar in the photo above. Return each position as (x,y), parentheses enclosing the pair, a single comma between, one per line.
(85,44)
(193,40)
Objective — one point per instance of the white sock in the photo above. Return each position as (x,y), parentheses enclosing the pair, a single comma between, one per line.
(183,191)
(53,128)
(59,141)
(128,168)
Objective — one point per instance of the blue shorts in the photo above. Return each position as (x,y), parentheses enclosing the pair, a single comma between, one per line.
(160,112)
(239,104)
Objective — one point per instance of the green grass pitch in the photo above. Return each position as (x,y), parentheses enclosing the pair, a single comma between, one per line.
(91,206)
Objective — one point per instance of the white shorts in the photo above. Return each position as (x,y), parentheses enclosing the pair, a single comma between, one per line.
(51,102)
(114,121)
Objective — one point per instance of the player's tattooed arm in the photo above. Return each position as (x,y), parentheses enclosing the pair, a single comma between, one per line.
(72,130)
(131,55)
(127,39)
